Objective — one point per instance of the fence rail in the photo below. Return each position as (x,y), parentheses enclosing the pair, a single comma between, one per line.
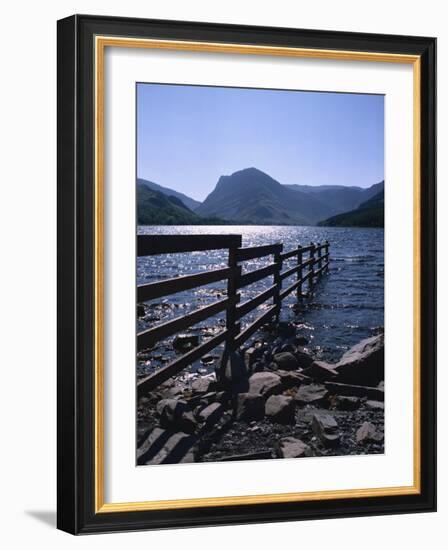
(317,254)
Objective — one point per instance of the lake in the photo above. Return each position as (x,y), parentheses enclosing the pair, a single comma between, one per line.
(347,306)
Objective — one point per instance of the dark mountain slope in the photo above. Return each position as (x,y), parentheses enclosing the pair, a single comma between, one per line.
(155,208)
(188,201)
(369,214)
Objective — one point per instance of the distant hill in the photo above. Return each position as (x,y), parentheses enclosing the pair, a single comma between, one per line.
(370,213)
(156,208)
(339,198)
(251,196)
(188,201)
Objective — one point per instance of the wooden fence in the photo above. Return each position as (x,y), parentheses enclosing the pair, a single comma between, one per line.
(309,264)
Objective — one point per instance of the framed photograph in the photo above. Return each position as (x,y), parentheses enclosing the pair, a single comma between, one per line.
(246,274)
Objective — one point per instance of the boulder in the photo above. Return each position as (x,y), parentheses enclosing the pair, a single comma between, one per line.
(233,370)
(363,363)
(321,371)
(211,413)
(166,447)
(311,393)
(249,407)
(326,429)
(291,379)
(367,432)
(336,388)
(302,341)
(185,342)
(251,355)
(375,405)
(204,384)
(281,409)
(286,329)
(285,360)
(345,403)
(265,384)
(176,414)
(290,447)
(304,358)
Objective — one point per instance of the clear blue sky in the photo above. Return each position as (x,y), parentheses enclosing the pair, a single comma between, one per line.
(189,136)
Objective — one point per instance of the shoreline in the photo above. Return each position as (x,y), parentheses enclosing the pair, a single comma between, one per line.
(272,399)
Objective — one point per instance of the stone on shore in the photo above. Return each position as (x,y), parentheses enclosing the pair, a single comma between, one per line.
(311,393)
(290,447)
(345,403)
(265,384)
(291,379)
(281,409)
(304,358)
(211,413)
(358,391)
(364,363)
(204,384)
(166,447)
(326,429)
(321,371)
(375,405)
(285,360)
(367,432)
(176,414)
(250,406)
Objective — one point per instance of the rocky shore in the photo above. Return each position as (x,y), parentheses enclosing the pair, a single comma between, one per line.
(273,399)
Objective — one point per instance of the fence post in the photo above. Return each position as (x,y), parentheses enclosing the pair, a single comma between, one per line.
(277,279)
(319,259)
(232,327)
(311,277)
(299,271)
(327,256)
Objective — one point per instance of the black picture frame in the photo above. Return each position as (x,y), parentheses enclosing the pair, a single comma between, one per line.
(76,257)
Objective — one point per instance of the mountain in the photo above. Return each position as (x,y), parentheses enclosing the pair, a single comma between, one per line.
(339,198)
(251,196)
(156,208)
(370,213)
(189,202)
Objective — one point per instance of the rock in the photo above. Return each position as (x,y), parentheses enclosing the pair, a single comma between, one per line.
(325,428)
(232,370)
(250,406)
(258,366)
(375,405)
(205,384)
(304,358)
(290,447)
(291,348)
(265,384)
(185,342)
(140,311)
(211,414)
(281,409)
(363,363)
(286,361)
(358,391)
(321,371)
(367,433)
(176,414)
(251,355)
(345,403)
(207,359)
(311,393)
(302,341)
(291,379)
(166,447)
